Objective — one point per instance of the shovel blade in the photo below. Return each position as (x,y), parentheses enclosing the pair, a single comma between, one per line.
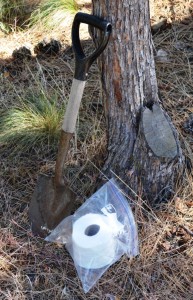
(49,205)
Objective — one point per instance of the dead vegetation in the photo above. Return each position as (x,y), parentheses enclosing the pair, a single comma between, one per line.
(33,269)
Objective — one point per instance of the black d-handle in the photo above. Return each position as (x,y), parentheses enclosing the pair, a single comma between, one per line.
(83,62)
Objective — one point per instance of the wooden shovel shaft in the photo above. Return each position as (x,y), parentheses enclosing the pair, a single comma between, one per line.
(68,128)
(69,123)
(63,147)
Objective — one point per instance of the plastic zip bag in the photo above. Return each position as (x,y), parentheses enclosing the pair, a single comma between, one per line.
(98,233)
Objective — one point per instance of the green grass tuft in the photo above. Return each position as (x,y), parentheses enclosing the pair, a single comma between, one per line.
(36,122)
(53,12)
(12,13)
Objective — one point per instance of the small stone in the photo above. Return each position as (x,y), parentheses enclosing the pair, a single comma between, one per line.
(162,56)
(188,125)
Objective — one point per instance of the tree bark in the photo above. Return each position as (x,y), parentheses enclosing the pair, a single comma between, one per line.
(143,145)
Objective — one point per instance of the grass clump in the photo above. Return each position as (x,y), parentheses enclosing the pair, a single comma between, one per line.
(52,13)
(12,13)
(34,123)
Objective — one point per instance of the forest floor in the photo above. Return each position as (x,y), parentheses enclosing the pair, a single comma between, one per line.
(31,268)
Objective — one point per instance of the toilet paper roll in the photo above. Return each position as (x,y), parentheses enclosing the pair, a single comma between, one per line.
(92,241)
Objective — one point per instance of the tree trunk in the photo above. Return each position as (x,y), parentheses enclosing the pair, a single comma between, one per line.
(143,145)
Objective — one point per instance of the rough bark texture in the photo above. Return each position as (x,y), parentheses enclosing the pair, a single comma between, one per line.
(131,99)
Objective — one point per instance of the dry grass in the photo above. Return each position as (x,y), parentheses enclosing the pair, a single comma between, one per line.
(33,269)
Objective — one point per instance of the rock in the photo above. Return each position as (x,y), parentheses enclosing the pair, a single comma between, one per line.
(48,47)
(162,56)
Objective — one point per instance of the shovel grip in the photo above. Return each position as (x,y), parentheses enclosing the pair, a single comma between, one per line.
(83,62)
(90,20)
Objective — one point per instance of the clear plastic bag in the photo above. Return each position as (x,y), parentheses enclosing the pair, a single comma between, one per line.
(98,233)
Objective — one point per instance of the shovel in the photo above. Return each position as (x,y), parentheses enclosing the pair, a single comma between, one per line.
(53,199)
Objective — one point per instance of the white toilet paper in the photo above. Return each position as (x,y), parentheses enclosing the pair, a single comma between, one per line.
(92,240)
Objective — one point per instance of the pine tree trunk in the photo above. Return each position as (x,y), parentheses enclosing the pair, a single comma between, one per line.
(143,145)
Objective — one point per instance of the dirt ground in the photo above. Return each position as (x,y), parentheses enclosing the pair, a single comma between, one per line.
(31,268)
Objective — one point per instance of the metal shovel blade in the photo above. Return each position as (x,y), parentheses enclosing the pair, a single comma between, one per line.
(49,205)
